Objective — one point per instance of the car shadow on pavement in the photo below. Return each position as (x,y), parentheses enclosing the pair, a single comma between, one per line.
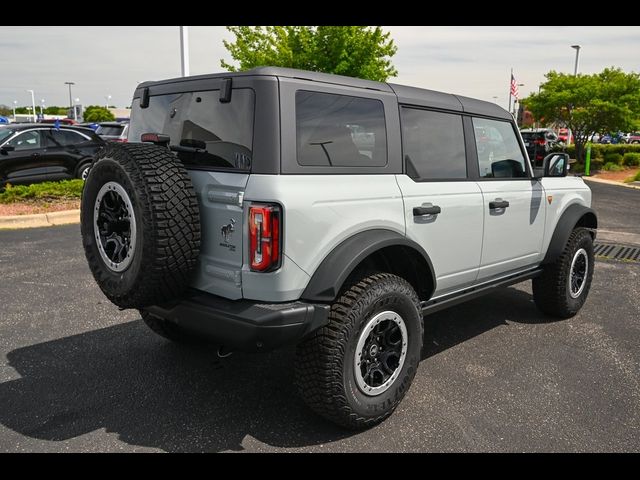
(455,325)
(153,393)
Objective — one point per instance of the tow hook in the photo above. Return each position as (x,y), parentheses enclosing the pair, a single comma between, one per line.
(223,352)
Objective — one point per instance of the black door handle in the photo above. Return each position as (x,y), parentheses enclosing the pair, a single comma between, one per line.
(35,155)
(498,204)
(433,210)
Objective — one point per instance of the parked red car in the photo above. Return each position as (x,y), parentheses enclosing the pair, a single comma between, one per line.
(632,137)
(63,121)
(563,135)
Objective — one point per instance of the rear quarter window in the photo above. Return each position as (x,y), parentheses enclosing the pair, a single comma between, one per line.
(339,130)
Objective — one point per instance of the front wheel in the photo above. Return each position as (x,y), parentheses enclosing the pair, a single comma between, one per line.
(563,287)
(356,370)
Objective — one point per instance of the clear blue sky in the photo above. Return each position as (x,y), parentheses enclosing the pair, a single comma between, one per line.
(472,61)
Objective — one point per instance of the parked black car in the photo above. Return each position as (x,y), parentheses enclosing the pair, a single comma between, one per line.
(31,153)
(539,143)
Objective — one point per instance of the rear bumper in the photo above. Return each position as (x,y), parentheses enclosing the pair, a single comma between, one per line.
(242,324)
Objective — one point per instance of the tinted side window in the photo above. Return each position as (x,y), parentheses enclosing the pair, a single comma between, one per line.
(340,130)
(61,138)
(499,153)
(26,141)
(433,144)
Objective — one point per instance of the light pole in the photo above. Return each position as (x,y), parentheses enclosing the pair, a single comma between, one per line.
(33,104)
(42,107)
(15,104)
(517,100)
(107,98)
(71,99)
(575,68)
(184,50)
(75,110)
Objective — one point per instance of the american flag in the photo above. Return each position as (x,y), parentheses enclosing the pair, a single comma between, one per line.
(514,87)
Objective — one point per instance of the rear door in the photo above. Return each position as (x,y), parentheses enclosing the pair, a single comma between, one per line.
(63,151)
(443,206)
(215,141)
(514,210)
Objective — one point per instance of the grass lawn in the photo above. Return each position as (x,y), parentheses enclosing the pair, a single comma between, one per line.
(40,197)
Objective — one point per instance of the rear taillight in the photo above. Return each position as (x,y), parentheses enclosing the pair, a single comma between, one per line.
(264,237)
(539,142)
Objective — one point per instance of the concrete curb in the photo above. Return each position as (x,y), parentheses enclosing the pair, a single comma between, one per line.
(611,182)
(40,220)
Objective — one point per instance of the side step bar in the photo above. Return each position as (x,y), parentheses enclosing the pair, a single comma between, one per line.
(433,306)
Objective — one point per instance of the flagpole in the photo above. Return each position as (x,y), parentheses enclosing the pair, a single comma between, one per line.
(510,89)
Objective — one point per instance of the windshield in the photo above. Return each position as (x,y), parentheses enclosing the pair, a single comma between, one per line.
(5,133)
(203,131)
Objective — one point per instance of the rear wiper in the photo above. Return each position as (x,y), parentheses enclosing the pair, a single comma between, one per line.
(189,145)
(185,149)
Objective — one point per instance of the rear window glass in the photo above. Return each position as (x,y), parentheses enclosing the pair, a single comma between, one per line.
(340,130)
(63,138)
(203,131)
(112,130)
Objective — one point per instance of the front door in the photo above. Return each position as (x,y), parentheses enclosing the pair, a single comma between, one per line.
(25,162)
(513,202)
(443,207)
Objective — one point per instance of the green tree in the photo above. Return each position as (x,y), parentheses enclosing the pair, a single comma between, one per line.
(608,101)
(354,51)
(5,111)
(96,113)
(56,110)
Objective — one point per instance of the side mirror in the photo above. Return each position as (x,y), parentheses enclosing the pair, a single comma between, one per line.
(6,149)
(555,165)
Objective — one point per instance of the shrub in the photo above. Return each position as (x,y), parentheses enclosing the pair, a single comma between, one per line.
(595,165)
(599,151)
(631,159)
(577,168)
(637,177)
(613,158)
(612,167)
(66,189)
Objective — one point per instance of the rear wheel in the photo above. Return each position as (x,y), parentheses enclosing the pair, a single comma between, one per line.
(356,370)
(83,170)
(563,287)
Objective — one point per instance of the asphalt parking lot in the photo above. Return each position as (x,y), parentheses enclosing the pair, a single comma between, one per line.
(76,374)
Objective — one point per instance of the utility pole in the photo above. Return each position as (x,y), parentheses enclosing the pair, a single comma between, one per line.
(575,68)
(509,110)
(33,104)
(71,98)
(184,50)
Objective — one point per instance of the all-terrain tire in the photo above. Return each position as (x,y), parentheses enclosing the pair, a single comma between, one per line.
(167,222)
(325,363)
(552,290)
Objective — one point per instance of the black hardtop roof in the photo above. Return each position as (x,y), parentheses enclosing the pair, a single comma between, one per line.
(409,95)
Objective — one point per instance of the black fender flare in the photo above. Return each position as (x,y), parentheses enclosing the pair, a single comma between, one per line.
(327,280)
(574,215)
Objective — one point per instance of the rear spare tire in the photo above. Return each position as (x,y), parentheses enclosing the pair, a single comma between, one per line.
(140,224)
